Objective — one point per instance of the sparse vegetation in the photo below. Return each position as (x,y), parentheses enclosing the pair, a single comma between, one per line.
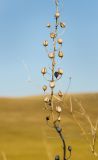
(24,134)
(80,112)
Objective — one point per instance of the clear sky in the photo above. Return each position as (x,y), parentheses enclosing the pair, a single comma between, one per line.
(22,31)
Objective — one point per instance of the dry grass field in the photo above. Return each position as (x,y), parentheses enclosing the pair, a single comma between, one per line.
(24,134)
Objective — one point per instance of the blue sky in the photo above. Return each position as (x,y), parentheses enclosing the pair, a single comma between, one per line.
(22,31)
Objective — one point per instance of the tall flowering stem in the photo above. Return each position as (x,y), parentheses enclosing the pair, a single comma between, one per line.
(54,103)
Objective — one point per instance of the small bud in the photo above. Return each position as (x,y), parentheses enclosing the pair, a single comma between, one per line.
(44,88)
(44,71)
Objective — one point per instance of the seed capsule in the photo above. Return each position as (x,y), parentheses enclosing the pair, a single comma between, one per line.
(44,71)
(58,109)
(60,71)
(44,88)
(60,94)
(51,55)
(52,35)
(60,54)
(46,99)
(57,15)
(62,24)
(52,84)
(45,43)
(60,41)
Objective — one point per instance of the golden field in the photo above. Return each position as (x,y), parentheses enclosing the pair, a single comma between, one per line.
(24,134)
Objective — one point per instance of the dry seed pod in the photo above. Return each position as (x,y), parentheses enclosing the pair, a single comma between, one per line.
(44,88)
(60,71)
(51,55)
(60,54)
(62,24)
(59,118)
(52,84)
(46,99)
(45,43)
(58,109)
(44,71)
(60,94)
(60,41)
(52,35)
(57,15)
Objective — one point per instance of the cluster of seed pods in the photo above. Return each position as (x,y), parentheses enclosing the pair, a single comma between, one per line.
(53,102)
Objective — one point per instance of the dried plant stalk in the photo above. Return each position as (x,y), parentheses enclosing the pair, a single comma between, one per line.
(93,129)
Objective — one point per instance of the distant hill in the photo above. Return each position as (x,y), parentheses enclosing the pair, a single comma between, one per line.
(24,134)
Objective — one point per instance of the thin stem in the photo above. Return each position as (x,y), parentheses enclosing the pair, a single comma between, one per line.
(53,60)
(63,141)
